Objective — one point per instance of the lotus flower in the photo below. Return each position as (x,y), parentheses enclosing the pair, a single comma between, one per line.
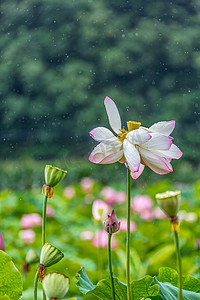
(100,209)
(137,146)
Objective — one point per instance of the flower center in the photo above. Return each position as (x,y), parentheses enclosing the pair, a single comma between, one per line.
(131,126)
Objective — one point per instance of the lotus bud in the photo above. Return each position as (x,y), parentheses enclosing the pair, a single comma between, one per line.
(55,285)
(53,175)
(169,202)
(2,244)
(111,224)
(32,257)
(49,256)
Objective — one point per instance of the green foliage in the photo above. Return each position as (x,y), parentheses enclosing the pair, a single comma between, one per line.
(161,287)
(153,245)
(139,289)
(168,292)
(10,280)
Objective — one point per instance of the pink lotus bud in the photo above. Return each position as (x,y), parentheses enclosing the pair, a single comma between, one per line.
(2,244)
(111,224)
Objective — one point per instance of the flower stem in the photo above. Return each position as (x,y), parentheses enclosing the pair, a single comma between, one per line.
(180,296)
(128,235)
(35,285)
(44,228)
(110,265)
(44,221)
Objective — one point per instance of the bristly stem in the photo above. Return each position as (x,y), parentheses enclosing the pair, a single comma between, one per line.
(35,285)
(178,254)
(128,235)
(44,221)
(110,265)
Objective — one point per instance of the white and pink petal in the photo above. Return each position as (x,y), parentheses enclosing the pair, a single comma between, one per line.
(102,134)
(132,156)
(165,127)
(138,136)
(158,141)
(106,153)
(158,164)
(173,153)
(135,175)
(113,114)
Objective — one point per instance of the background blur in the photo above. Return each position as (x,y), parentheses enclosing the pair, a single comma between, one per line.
(59,59)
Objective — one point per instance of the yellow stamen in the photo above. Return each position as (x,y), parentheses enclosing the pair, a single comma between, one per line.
(133,125)
(122,135)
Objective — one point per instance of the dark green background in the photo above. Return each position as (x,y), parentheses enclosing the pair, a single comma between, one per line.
(59,59)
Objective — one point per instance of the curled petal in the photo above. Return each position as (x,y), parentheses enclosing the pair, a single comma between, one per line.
(138,136)
(106,153)
(102,134)
(158,142)
(137,174)
(132,156)
(165,127)
(158,164)
(113,114)
(173,153)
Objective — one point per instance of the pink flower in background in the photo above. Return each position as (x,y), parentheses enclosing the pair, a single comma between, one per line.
(141,203)
(2,244)
(101,240)
(123,225)
(31,220)
(159,214)
(69,192)
(136,147)
(27,236)
(147,215)
(50,211)
(100,210)
(87,235)
(111,196)
(188,217)
(87,184)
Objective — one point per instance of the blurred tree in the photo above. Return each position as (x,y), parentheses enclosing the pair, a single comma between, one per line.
(59,59)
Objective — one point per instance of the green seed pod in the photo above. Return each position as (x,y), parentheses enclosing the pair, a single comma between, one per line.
(55,285)
(53,175)
(169,202)
(50,255)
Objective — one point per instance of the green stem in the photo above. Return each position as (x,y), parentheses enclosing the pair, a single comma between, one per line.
(110,265)
(180,296)
(44,228)
(128,234)
(35,285)
(44,221)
